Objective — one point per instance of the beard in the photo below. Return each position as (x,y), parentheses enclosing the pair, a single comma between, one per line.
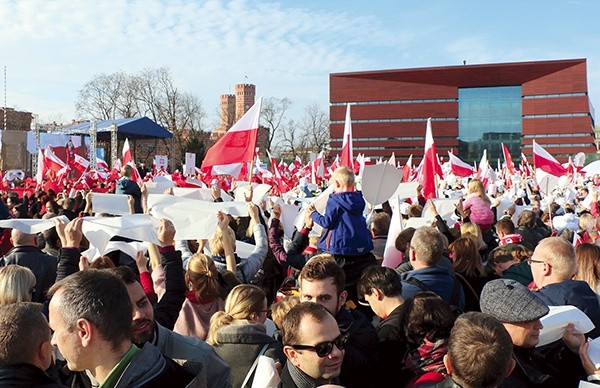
(143,331)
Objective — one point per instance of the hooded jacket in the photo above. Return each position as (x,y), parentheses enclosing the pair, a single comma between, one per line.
(346,231)
(129,187)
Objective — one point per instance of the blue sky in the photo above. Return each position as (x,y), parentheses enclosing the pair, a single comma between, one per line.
(286,48)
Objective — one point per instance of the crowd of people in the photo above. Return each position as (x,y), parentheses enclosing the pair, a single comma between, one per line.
(461,307)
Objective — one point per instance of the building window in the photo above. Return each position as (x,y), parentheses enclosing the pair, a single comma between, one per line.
(488,117)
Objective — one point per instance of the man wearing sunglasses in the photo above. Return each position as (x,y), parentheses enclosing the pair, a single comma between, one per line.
(323,281)
(313,345)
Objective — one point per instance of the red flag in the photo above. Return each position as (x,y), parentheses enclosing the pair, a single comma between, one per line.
(407,170)
(53,162)
(347,159)
(508,160)
(428,181)
(128,159)
(236,148)
(460,168)
(577,239)
(546,162)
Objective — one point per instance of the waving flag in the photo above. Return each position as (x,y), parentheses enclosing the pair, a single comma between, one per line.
(460,168)
(546,162)
(431,165)
(347,159)
(510,166)
(80,163)
(41,168)
(53,162)
(128,159)
(236,148)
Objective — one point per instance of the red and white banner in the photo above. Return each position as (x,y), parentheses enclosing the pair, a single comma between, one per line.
(546,162)
(236,148)
(460,168)
(347,148)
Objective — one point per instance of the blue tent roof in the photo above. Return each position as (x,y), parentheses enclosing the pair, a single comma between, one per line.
(135,127)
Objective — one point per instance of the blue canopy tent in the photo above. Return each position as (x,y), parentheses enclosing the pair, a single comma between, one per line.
(113,130)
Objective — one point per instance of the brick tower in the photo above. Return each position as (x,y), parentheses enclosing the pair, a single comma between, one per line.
(227,111)
(244,99)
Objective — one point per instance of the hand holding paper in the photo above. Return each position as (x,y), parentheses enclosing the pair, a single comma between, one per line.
(166,233)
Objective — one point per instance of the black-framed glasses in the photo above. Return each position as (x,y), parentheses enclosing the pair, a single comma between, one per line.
(324,349)
(530,260)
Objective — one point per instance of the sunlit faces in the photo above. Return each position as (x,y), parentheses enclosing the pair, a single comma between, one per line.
(64,337)
(323,292)
(312,333)
(143,324)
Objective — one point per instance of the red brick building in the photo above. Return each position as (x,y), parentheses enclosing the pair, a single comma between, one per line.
(473,107)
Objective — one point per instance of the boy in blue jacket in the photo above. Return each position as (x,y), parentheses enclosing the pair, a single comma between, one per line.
(346,235)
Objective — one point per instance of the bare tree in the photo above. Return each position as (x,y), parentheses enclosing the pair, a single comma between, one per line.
(273,114)
(150,93)
(310,134)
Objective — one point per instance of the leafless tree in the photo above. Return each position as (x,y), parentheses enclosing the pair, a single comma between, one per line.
(273,116)
(150,93)
(310,134)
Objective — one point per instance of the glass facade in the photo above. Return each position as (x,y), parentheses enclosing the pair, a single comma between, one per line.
(488,117)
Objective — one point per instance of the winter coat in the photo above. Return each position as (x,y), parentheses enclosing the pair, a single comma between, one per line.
(41,264)
(481,213)
(129,187)
(346,232)
(240,342)
(25,375)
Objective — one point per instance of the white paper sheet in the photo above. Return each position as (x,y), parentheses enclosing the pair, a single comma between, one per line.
(594,352)
(259,192)
(379,182)
(406,190)
(129,248)
(29,225)
(140,227)
(116,204)
(159,187)
(556,321)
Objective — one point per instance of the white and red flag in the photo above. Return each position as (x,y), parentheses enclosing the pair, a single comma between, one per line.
(407,170)
(236,148)
(346,157)
(460,168)
(128,159)
(431,166)
(80,163)
(546,162)
(53,162)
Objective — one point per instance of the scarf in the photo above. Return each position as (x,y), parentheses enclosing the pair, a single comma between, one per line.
(429,357)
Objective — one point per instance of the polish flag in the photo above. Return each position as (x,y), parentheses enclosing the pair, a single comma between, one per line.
(483,169)
(53,162)
(236,148)
(392,160)
(577,239)
(460,168)
(296,165)
(347,159)
(80,163)
(430,165)
(128,159)
(546,162)
(102,165)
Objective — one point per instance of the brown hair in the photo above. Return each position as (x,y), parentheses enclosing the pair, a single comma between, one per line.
(203,275)
(466,258)
(480,350)
(426,315)
(588,270)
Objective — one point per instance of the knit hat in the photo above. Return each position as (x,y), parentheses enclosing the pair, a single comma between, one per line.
(511,302)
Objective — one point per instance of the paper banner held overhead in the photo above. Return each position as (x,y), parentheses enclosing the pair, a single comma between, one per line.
(379,182)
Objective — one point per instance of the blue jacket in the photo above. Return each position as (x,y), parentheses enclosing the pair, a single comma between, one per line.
(346,231)
(129,187)
(437,279)
(575,293)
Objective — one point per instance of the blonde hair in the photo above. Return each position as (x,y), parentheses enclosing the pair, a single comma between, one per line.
(344,175)
(244,302)
(476,187)
(472,230)
(280,308)
(16,284)
(216,242)
(203,276)
(587,222)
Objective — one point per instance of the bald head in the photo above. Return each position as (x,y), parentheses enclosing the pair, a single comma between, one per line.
(19,238)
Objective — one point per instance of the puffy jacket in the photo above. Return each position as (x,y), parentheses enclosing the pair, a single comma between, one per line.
(346,231)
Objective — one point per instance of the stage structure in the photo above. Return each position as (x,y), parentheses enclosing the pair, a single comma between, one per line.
(113,130)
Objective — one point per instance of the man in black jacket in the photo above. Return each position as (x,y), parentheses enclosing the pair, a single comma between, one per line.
(26,253)
(323,281)
(25,349)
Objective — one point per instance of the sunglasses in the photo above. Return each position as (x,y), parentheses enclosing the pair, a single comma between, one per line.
(325,348)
